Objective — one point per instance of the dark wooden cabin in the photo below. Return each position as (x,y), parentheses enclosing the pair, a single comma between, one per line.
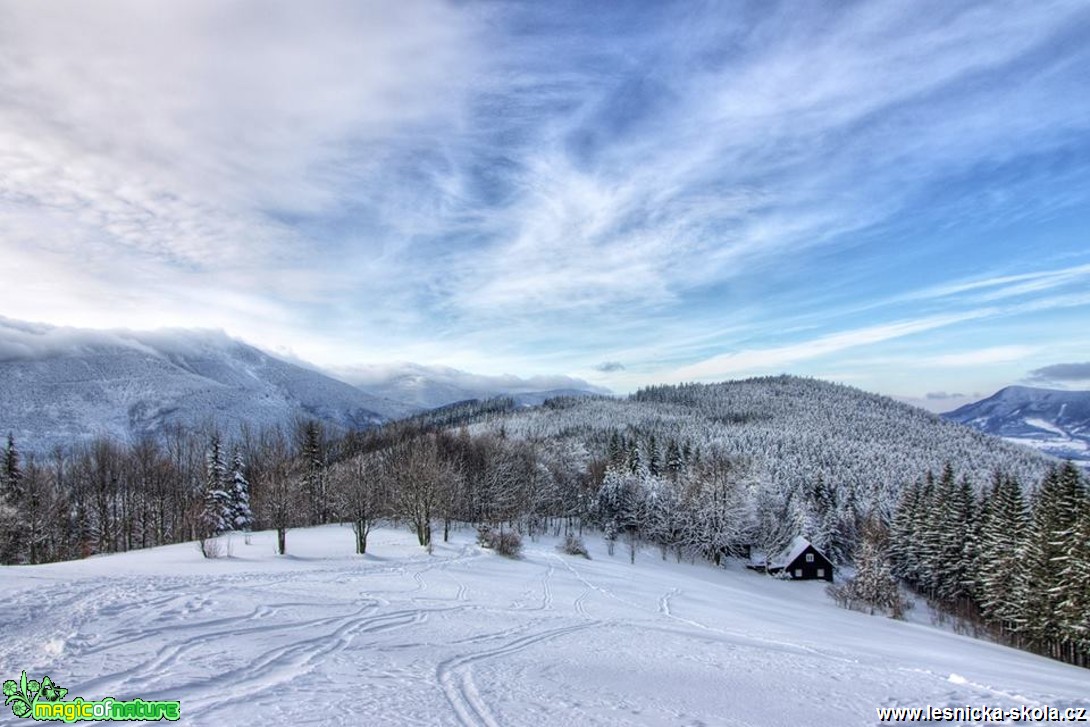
(799,561)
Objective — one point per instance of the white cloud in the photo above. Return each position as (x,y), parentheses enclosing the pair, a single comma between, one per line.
(20,340)
(982,357)
(518,187)
(156,155)
(436,385)
(776,358)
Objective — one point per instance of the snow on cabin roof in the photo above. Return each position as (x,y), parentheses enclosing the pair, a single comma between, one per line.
(788,554)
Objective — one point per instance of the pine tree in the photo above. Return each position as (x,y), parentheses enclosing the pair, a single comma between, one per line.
(12,540)
(216,513)
(1074,612)
(957,543)
(904,556)
(11,548)
(821,519)
(1002,553)
(673,459)
(635,461)
(618,506)
(661,510)
(654,462)
(1055,512)
(11,472)
(616,449)
(242,517)
(928,535)
(314,474)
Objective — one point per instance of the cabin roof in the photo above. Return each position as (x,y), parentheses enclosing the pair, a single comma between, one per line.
(787,556)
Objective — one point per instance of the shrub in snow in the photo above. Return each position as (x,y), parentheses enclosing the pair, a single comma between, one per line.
(484,536)
(508,543)
(573,545)
(210,547)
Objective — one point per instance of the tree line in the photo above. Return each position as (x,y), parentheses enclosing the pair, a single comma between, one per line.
(108,497)
(1020,565)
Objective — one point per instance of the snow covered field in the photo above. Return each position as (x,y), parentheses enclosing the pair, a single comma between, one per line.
(465,637)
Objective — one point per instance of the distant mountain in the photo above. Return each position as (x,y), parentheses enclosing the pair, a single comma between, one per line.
(1052,421)
(430,387)
(61,386)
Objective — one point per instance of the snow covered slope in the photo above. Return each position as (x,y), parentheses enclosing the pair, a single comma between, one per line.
(1053,421)
(465,637)
(58,386)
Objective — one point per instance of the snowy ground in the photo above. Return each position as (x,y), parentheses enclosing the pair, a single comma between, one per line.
(465,637)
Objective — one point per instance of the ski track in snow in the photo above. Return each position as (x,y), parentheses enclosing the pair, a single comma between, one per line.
(664,601)
(466,637)
(455,676)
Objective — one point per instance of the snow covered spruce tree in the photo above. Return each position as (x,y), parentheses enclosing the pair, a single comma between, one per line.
(312,459)
(1075,574)
(241,515)
(618,505)
(903,550)
(1001,573)
(12,546)
(217,513)
(1056,509)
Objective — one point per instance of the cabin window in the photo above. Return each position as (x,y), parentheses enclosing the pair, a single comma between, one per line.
(821,572)
(809,557)
(798,572)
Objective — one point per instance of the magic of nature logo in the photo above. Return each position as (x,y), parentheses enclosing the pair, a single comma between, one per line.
(44,701)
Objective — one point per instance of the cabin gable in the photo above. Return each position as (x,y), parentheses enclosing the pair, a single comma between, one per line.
(810,565)
(799,561)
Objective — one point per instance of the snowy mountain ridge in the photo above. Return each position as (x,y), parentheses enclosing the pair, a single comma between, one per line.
(62,386)
(1056,422)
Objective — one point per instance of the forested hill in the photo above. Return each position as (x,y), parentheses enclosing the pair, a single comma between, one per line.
(789,431)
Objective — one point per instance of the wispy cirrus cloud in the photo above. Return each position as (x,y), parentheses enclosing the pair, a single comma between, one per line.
(697,190)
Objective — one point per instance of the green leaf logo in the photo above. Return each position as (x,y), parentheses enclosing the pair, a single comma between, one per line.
(51,692)
(22,695)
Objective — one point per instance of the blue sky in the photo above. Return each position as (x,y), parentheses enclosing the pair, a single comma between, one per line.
(894,195)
